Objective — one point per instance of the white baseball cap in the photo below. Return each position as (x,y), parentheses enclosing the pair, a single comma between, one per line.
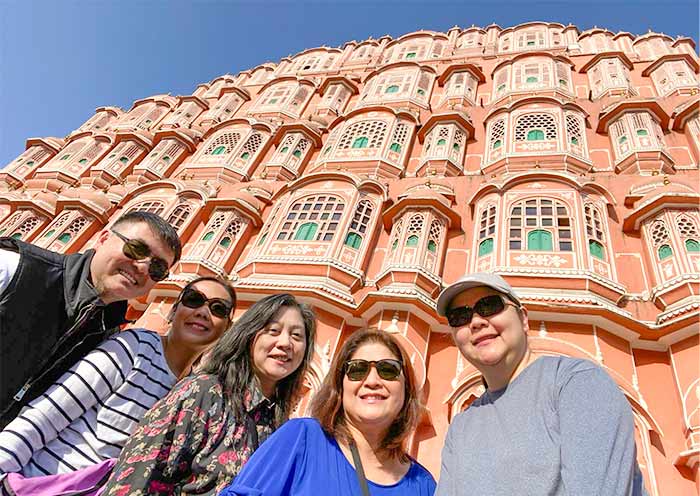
(493,281)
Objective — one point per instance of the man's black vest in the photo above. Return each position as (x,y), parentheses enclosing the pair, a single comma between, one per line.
(50,317)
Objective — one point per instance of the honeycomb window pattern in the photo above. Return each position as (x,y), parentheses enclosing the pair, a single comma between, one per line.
(374,130)
(530,122)
(227,140)
(659,232)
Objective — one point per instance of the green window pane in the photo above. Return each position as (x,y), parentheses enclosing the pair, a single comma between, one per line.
(166,159)
(596,249)
(497,144)
(306,232)
(2,231)
(262,239)
(327,150)
(31,162)
(49,234)
(692,245)
(562,82)
(642,132)
(485,247)
(531,79)
(284,149)
(360,142)
(539,240)
(225,242)
(64,238)
(353,240)
(574,141)
(395,147)
(272,101)
(411,55)
(297,153)
(412,241)
(65,157)
(392,89)
(82,161)
(665,251)
(441,142)
(16,236)
(219,150)
(455,146)
(530,43)
(622,140)
(394,244)
(124,160)
(501,87)
(208,236)
(245,155)
(535,135)
(420,91)
(432,246)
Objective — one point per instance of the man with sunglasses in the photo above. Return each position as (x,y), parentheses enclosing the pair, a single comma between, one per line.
(545,425)
(55,308)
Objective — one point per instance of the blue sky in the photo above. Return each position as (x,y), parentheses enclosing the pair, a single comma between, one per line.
(59,60)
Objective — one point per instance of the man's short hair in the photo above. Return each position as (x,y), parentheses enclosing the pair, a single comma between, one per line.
(164,231)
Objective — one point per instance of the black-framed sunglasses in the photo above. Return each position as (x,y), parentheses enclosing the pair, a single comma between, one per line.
(191,298)
(135,249)
(486,307)
(388,369)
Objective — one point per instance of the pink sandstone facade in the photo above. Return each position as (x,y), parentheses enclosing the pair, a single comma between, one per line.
(367,177)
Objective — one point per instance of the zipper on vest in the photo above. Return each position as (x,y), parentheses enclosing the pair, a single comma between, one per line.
(87,313)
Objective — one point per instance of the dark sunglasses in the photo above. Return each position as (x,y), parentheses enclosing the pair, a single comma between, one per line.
(388,369)
(135,249)
(218,307)
(486,307)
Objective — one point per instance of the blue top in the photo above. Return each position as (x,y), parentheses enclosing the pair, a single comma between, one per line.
(301,459)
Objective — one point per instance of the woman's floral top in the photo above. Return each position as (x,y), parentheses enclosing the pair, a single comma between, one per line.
(190,443)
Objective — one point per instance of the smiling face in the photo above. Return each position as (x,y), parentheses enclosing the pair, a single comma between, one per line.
(197,328)
(498,342)
(278,349)
(373,403)
(115,276)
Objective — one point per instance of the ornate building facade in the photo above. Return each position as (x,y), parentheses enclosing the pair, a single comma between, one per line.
(367,177)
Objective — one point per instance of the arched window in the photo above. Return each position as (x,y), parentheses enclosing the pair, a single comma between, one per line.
(358,225)
(496,137)
(535,127)
(153,206)
(665,251)
(178,217)
(487,230)
(692,246)
(73,229)
(394,88)
(543,223)
(223,144)
(26,227)
(594,231)
(312,219)
(373,132)
(415,228)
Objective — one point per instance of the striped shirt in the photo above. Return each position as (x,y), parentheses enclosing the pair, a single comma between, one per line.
(88,415)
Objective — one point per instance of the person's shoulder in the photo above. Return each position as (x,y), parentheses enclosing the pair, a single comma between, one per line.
(567,366)
(420,473)
(309,427)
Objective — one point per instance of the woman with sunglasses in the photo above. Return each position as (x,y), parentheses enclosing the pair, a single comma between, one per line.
(89,413)
(196,439)
(364,412)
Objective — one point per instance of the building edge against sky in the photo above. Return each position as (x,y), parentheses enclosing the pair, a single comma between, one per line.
(365,178)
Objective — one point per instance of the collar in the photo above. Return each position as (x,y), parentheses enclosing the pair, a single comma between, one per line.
(255,399)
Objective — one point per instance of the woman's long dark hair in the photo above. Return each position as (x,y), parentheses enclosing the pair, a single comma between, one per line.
(231,359)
